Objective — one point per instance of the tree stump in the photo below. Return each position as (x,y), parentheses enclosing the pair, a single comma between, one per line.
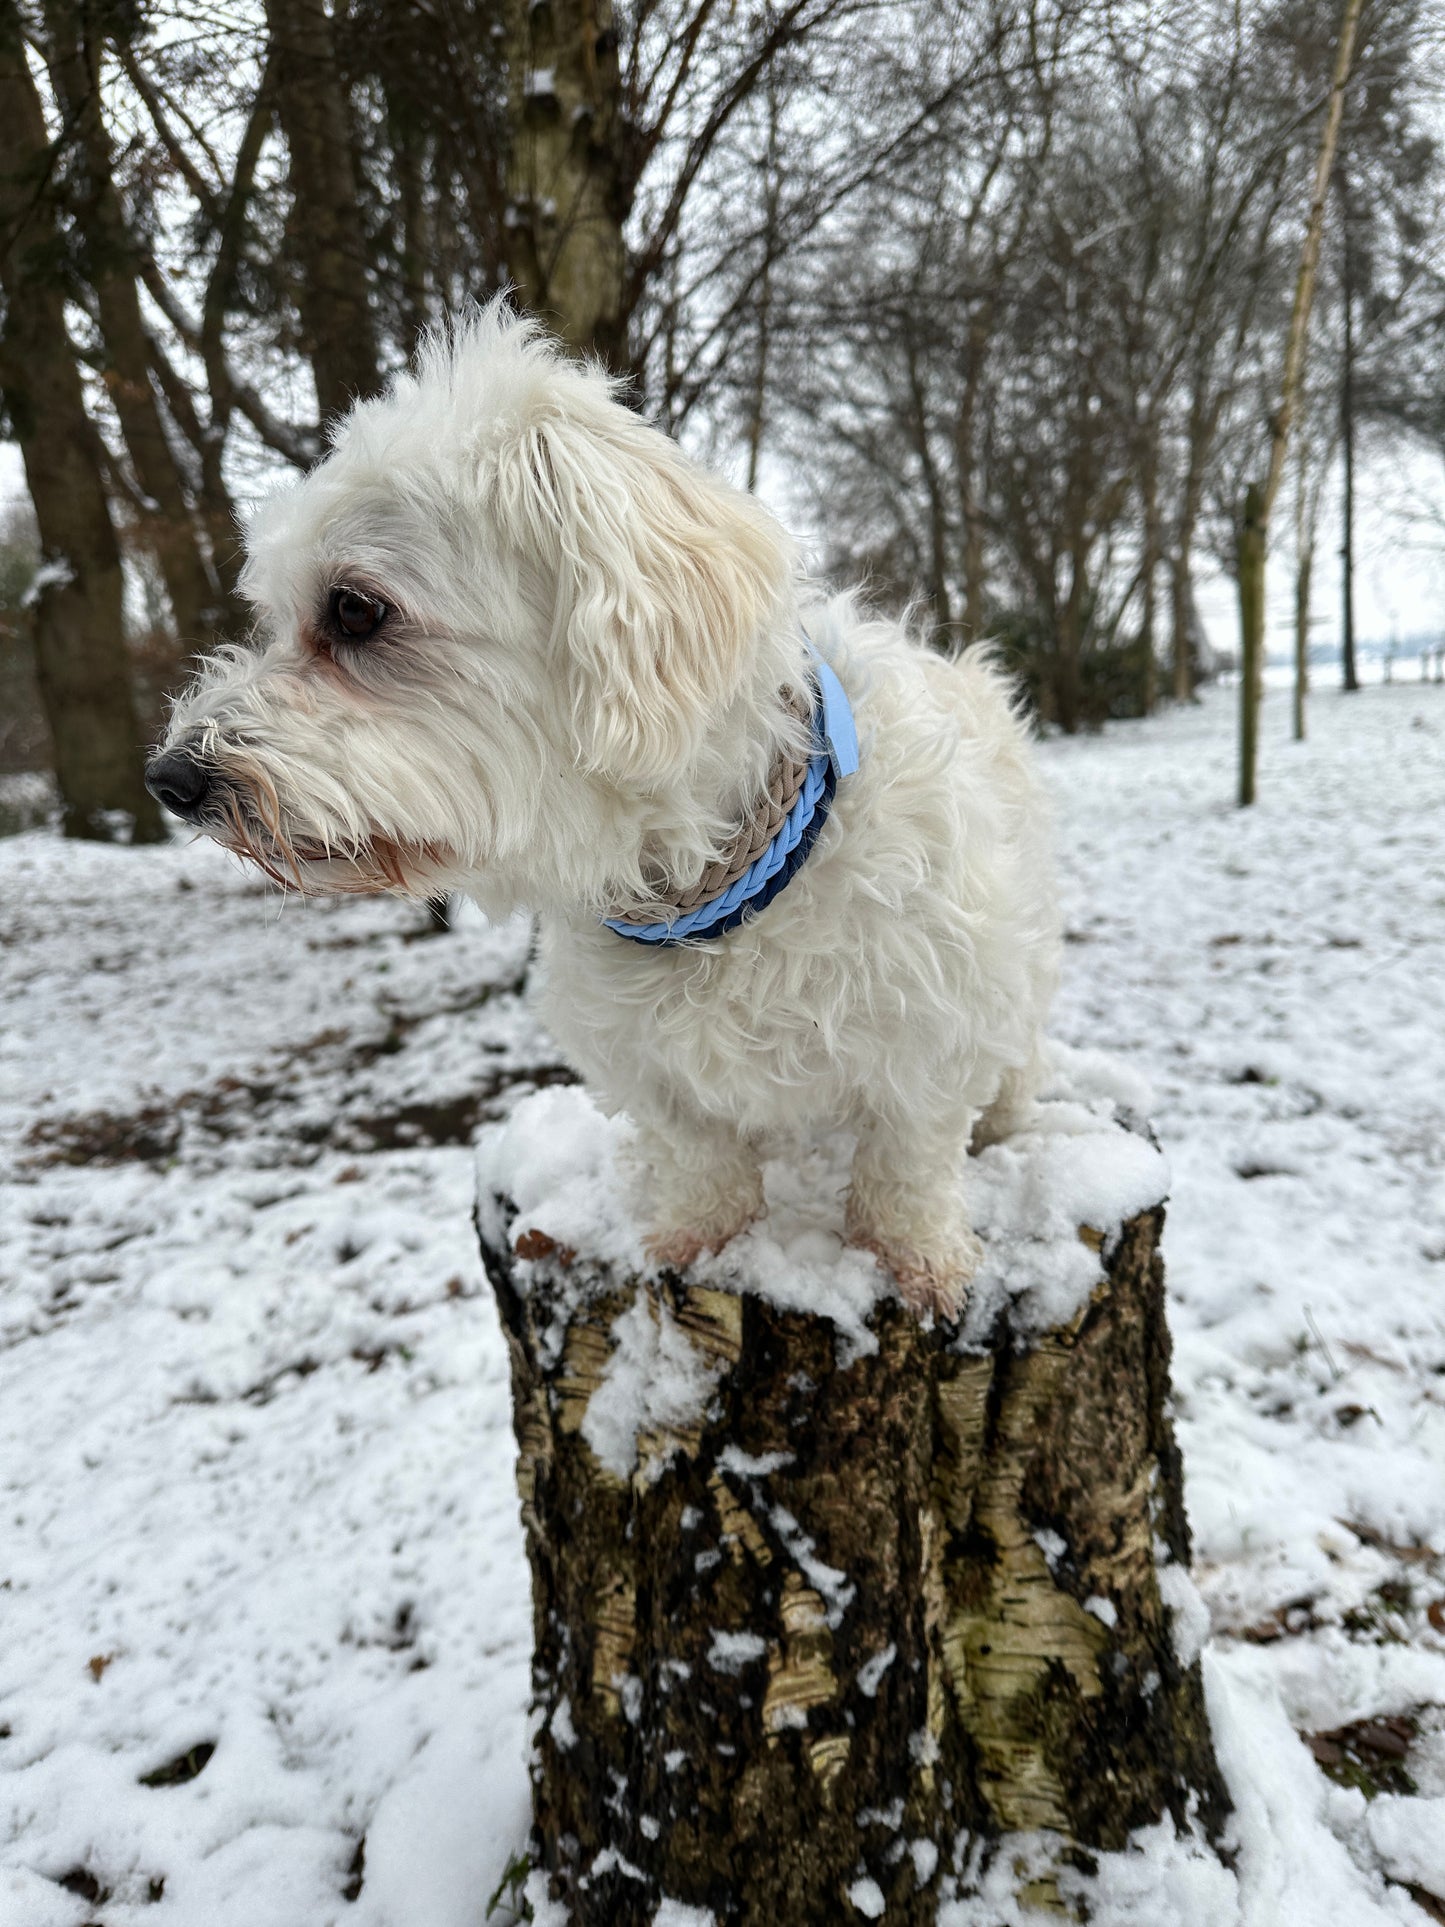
(819,1626)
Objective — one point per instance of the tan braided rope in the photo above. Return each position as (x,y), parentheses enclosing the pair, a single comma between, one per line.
(789,773)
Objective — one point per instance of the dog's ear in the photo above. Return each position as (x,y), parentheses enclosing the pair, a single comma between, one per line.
(664,578)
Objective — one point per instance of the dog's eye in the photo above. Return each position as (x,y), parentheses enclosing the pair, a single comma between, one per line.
(356,615)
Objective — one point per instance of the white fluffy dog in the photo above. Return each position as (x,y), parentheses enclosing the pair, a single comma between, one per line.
(513,642)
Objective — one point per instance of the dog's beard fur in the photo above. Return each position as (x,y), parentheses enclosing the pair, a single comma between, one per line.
(302,852)
(250,827)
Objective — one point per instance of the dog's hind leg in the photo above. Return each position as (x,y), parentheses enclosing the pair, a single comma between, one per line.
(703,1184)
(906,1206)
(1011,1109)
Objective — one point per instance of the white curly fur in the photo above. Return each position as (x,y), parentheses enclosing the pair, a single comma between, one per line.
(576,692)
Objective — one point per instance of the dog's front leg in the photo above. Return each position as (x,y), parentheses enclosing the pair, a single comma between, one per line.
(703,1184)
(906,1206)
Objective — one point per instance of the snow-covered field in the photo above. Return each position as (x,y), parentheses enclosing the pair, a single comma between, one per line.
(262,1588)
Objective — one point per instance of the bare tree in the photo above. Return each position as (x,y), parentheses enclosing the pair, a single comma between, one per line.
(110,264)
(84,675)
(1259,502)
(572,172)
(1316,438)
(1039,335)
(325,236)
(1350,678)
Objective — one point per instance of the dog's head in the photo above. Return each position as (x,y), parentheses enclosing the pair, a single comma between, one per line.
(501,618)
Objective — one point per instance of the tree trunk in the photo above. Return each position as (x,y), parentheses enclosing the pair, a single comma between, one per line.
(567,188)
(416,159)
(81,661)
(1347,437)
(1251,666)
(1259,504)
(333,295)
(227,553)
(1180,587)
(772,191)
(1181,601)
(1201,440)
(1153,543)
(1068,648)
(110,264)
(920,425)
(858,1614)
(1304,569)
(975,606)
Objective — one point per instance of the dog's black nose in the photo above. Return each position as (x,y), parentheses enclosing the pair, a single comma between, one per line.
(179,783)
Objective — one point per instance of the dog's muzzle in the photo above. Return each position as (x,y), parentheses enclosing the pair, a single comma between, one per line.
(179,784)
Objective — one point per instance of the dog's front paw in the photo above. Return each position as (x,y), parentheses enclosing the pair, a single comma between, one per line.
(694,1193)
(679,1248)
(931,1284)
(676,1249)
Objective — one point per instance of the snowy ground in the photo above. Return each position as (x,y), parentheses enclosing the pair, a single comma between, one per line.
(255,1451)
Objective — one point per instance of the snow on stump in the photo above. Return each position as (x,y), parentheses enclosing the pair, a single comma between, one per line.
(833,1609)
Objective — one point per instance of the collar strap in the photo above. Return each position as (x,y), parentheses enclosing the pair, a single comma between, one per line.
(834,756)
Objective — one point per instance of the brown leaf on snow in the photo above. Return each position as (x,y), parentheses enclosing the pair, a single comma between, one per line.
(536,1244)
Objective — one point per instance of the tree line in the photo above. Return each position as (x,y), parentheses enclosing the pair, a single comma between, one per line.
(1004,283)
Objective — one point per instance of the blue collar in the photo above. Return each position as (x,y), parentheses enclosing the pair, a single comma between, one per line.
(835,755)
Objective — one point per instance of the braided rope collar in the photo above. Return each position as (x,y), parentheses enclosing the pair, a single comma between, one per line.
(771,846)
